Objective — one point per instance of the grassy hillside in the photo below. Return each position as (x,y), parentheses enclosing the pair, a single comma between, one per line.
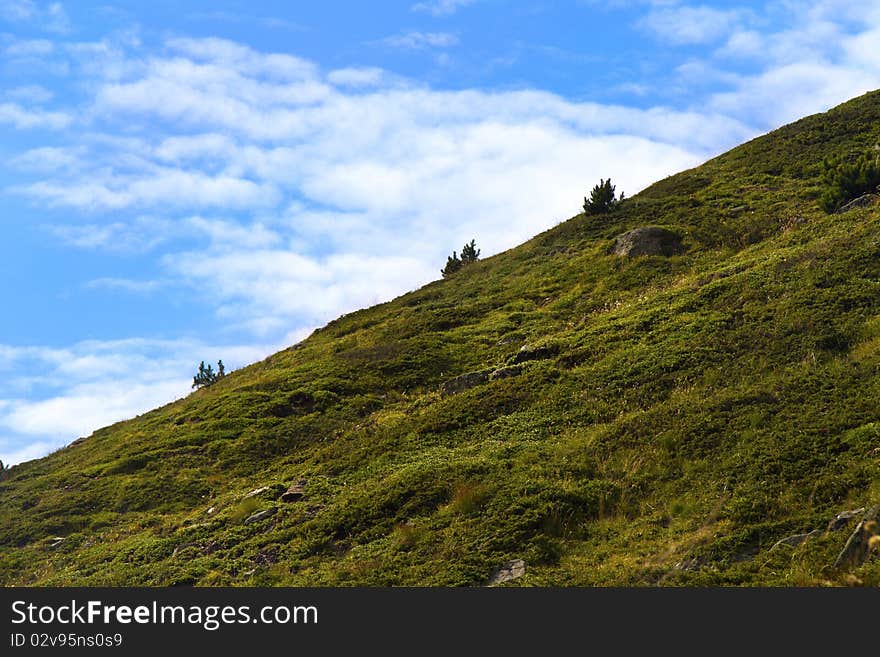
(661,421)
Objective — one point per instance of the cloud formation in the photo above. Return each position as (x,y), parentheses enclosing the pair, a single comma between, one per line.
(441,7)
(419,40)
(691,25)
(50,17)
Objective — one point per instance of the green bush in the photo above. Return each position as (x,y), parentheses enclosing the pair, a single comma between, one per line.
(845,181)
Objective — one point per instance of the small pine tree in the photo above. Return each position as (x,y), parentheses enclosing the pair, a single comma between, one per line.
(602,198)
(207,376)
(453,264)
(469,254)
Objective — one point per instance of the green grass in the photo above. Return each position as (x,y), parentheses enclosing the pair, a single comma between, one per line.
(678,416)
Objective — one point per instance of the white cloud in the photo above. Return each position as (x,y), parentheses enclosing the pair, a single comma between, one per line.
(86,407)
(418,40)
(32,93)
(441,7)
(357,77)
(690,25)
(17,10)
(744,43)
(263,289)
(825,54)
(788,92)
(229,55)
(29,48)
(161,187)
(125,284)
(863,48)
(55,18)
(28,118)
(47,159)
(138,235)
(195,147)
(225,234)
(51,17)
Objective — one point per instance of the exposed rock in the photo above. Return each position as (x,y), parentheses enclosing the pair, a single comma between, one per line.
(649,240)
(862,201)
(295,492)
(541,352)
(858,545)
(506,372)
(510,338)
(842,519)
(58,540)
(856,548)
(464,382)
(797,539)
(255,492)
(260,515)
(509,571)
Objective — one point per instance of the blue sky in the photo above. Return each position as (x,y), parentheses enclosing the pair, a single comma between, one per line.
(200,180)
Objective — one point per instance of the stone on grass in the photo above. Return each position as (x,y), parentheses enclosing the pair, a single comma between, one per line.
(509,571)
(255,492)
(260,515)
(464,382)
(295,492)
(649,240)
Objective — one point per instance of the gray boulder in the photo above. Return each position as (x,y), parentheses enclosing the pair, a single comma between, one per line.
(506,372)
(260,515)
(862,201)
(648,240)
(464,382)
(509,571)
(540,352)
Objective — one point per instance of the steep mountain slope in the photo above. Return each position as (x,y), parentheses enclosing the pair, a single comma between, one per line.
(655,420)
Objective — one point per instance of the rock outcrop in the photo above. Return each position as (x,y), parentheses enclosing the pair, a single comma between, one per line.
(295,492)
(260,515)
(862,201)
(535,352)
(509,571)
(464,382)
(648,240)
